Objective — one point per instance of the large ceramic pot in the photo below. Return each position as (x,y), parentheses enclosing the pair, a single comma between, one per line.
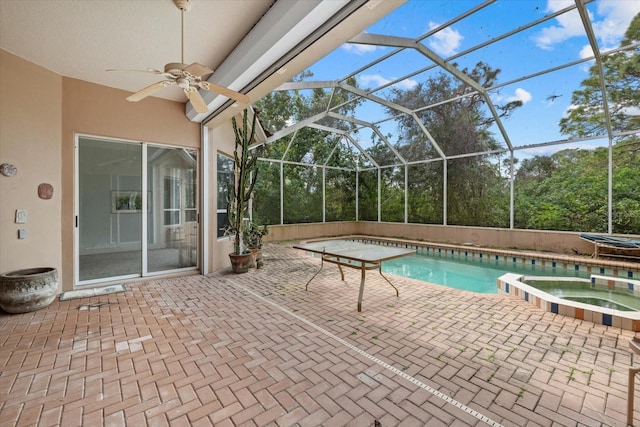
(240,263)
(27,290)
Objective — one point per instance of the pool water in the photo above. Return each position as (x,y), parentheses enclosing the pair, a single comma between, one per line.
(584,292)
(469,275)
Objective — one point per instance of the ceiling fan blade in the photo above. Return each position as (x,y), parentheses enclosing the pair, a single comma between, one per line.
(196,100)
(143,93)
(197,70)
(212,87)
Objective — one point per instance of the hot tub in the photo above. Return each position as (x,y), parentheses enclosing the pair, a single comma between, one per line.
(610,301)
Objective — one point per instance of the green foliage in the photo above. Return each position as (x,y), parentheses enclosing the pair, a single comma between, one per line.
(477,193)
(253,234)
(568,191)
(368,195)
(308,147)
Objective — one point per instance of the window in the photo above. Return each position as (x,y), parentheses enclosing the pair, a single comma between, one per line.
(190,196)
(225,179)
(171,201)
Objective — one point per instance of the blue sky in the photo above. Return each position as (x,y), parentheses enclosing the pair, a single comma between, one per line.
(555,42)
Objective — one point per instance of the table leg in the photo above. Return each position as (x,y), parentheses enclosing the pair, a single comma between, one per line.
(630,394)
(363,275)
(314,276)
(388,281)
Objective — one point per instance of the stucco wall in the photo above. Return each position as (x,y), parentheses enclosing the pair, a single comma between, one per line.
(545,241)
(30,139)
(221,140)
(93,109)
(38,124)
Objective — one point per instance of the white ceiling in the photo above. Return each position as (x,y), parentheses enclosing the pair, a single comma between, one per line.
(83,38)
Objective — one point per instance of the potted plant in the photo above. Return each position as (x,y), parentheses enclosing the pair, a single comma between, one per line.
(238,195)
(253,234)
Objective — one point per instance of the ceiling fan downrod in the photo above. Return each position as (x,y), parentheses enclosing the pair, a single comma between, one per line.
(184,6)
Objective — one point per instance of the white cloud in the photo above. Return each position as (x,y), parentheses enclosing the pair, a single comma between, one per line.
(613,20)
(586,52)
(520,95)
(358,49)
(446,41)
(631,111)
(617,17)
(375,80)
(569,25)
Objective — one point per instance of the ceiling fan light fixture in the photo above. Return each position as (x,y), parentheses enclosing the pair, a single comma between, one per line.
(183,83)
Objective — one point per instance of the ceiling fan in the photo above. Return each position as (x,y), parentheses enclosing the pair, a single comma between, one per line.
(187,77)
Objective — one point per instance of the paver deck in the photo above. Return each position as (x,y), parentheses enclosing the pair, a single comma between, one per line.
(258,350)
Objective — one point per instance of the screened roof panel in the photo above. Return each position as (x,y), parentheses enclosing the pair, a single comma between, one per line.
(342,99)
(411,144)
(368,111)
(535,52)
(415,18)
(506,55)
(343,155)
(545,102)
(384,73)
(351,56)
(310,146)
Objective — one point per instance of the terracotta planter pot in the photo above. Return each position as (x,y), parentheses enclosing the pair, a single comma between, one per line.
(240,263)
(22,291)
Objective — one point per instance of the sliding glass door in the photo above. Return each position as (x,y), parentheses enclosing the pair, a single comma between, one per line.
(172,222)
(137,210)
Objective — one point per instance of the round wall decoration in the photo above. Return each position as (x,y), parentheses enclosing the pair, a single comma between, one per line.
(45,191)
(8,169)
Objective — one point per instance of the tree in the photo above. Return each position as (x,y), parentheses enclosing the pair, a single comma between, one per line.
(622,81)
(459,124)
(568,191)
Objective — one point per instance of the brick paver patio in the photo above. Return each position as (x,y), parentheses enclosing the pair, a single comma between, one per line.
(258,350)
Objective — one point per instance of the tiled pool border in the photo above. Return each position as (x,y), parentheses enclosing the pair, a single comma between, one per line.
(627,274)
(588,266)
(512,284)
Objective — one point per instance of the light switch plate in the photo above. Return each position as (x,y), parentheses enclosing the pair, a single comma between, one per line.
(22,233)
(21,216)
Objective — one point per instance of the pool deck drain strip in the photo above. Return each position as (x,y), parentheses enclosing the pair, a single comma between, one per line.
(385,365)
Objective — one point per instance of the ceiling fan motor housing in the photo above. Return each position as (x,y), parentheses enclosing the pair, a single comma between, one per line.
(183,4)
(174,68)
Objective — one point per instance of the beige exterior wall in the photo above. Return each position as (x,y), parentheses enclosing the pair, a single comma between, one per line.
(221,140)
(288,232)
(38,125)
(88,108)
(544,241)
(30,139)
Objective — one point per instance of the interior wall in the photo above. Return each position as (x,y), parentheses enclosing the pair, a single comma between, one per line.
(30,139)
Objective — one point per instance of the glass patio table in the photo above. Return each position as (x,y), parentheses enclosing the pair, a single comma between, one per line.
(356,255)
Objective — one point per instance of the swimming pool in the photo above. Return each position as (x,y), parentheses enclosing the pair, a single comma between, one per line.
(475,275)
(478,269)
